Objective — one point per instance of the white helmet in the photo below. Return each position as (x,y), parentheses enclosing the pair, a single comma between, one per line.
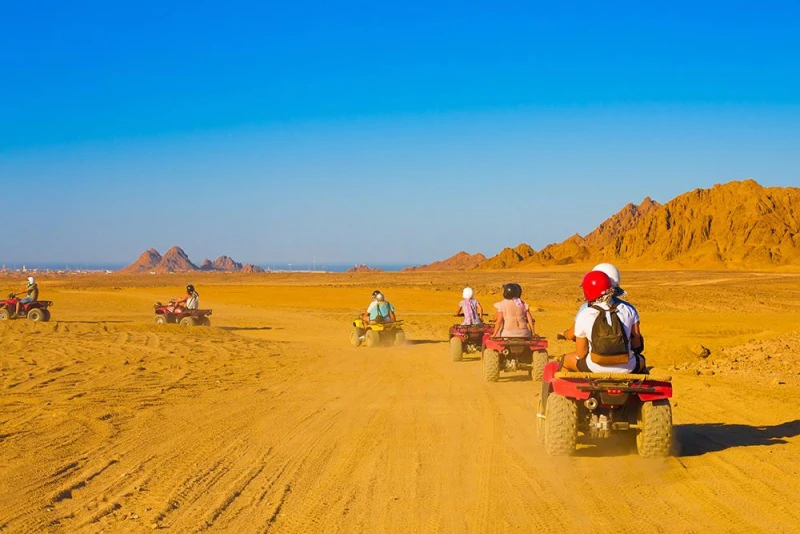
(379,297)
(31,280)
(611,271)
(467,293)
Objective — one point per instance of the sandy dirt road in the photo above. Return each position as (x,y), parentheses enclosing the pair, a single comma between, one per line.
(270,422)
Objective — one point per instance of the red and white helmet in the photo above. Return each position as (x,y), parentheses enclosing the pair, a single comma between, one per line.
(611,271)
(596,284)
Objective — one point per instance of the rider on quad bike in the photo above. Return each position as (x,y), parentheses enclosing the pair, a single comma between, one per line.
(513,317)
(468,335)
(470,308)
(191,301)
(378,325)
(32,291)
(619,293)
(607,335)
(513,345)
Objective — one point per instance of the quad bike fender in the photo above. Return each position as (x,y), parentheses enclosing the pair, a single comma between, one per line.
(550,369)
(569,388)
(663,390)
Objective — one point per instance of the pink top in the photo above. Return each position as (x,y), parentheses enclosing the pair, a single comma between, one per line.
(515,323)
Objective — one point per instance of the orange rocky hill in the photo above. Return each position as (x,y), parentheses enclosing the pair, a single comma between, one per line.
(738,225)
(177,261)
(459,262)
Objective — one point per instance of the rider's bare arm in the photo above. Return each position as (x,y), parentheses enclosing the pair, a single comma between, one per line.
(480,310)
(531,322)
(498,324)
(637,341)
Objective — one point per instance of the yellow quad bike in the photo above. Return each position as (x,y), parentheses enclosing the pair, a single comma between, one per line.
(373,334)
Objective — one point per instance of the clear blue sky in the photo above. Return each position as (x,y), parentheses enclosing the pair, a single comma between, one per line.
(351,132)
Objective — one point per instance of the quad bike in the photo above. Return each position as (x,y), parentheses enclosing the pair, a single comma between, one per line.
(170,314)
(373,334)
(597,405)
(513,354)
(36,311)
(467,338)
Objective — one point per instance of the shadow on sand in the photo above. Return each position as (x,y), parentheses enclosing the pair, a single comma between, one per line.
(423,341)
(245,328)
(701,438)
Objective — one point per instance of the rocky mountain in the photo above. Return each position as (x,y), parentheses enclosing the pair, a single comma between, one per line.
(175,261)
(250,268)
(461,261)
(509,257)
(147,262)
(362,268)
(735,225)
(223,263)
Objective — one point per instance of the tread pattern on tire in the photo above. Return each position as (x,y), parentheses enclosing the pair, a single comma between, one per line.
(539,361)
(654,439)
(561,425)
(491,365)
(456,349)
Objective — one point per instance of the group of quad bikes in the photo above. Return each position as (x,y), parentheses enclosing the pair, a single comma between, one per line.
(592,405)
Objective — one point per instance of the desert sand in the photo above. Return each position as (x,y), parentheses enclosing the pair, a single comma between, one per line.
(269,421)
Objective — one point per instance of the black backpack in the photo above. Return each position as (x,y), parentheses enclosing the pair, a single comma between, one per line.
(608,339)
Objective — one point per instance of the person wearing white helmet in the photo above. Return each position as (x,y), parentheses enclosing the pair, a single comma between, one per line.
(470,308)
(613,273)
(32,292)
(380,310)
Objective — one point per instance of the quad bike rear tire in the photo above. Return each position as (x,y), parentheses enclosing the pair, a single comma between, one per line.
(372,338)
(5,315)
(160,319)
(491,365)
(539,361)
(561,425)
(355,337)
(188,321)
(654,439)
(399,338)
(46,316)
(36,315)
(456,349)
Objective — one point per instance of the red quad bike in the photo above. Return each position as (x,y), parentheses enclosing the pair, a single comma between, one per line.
(467,338)
(599,404)
(35,311)
(170,314)
(513,354)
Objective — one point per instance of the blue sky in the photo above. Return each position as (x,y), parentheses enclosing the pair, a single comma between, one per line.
(359,133)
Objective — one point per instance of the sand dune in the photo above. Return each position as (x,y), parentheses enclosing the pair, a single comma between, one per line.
(270,422)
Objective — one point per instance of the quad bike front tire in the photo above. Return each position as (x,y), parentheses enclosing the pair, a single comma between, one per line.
(5,315)
(46,316)
(372,338)
(399,338)
(188,321)
(204,321)
(355,337)
(654,439)
(561,425)
(160,319)
(491,365)
(36,315)
(456,349)
(539,361)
